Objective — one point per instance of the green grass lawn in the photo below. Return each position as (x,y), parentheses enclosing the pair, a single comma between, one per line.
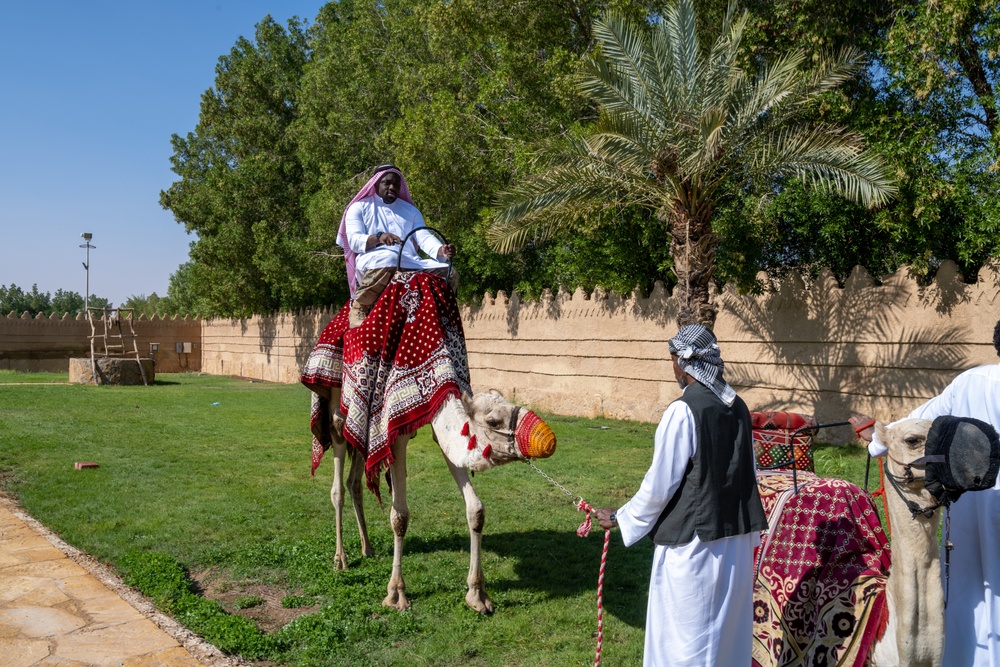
(207,478)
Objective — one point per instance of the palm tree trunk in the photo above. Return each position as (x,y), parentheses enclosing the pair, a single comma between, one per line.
(693,248)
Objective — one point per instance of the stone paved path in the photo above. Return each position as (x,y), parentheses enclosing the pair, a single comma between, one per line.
(55,611)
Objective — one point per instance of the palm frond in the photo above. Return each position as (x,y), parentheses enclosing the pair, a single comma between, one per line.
(625,76)
(680,24)
(828,157)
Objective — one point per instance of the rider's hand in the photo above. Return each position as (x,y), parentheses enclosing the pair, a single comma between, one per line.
(446,251)
(388,238)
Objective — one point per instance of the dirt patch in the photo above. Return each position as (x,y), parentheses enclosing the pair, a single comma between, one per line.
(260,602)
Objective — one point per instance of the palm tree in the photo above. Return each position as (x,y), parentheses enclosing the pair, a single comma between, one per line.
(681,130)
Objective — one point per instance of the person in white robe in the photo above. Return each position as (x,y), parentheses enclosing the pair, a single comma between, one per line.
(972,615)
(377,220)
(700,608)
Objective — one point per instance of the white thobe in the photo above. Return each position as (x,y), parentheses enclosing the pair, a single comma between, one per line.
(700,609)
(370,216)
(972,617)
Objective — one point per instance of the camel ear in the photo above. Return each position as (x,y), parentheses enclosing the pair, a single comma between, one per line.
(496,392)
(467,402)
(882,433)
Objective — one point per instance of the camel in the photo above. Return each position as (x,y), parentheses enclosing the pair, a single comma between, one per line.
(914,593)
(497,432)
(914,596)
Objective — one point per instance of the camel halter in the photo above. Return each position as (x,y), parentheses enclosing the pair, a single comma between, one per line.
(908,477)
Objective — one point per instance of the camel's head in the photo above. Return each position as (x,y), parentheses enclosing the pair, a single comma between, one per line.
(906,442)
(504,432)
(943,459)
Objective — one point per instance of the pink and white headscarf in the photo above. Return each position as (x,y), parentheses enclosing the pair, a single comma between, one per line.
(367,191)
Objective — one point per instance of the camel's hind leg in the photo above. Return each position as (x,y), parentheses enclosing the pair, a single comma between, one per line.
(400,518)
(357,498)
(353,484)
(475,514)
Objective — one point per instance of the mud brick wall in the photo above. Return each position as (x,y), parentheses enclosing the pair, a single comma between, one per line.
(47,343)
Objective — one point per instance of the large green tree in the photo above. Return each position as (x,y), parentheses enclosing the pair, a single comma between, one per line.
(682,129)
(241,181)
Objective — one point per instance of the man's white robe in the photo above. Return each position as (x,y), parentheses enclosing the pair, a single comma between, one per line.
(972,617)
(370,216)
(700,610)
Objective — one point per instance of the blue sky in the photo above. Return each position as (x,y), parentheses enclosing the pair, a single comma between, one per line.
(90,93)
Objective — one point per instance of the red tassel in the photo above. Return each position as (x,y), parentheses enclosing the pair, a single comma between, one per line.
(472,443)
(465,429)
(486,451)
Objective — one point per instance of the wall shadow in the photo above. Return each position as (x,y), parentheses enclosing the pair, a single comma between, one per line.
(842,341)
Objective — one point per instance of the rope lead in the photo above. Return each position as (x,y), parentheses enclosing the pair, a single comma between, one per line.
(583,531)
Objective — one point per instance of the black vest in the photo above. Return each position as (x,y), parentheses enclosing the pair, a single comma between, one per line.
(718,496)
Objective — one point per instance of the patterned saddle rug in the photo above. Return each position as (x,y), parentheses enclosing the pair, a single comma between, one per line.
(821,569)
(395,369)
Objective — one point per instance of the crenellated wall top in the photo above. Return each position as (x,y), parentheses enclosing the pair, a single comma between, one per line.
(68,319)
(901,289)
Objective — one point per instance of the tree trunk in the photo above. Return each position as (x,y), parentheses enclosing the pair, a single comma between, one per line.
(693,248)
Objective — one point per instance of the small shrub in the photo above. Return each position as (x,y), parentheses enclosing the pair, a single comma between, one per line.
(248,601)
(297,601)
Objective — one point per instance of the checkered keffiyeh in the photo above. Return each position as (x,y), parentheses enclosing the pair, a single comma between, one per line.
(698,355)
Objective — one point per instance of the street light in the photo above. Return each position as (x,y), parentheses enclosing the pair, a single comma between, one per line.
(86,267)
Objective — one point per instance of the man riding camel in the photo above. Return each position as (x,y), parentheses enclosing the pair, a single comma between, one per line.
(378,219)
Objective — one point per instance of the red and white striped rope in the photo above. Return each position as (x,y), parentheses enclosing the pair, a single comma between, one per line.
(583,531)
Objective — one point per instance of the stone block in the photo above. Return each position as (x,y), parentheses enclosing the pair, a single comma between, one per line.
(111,371)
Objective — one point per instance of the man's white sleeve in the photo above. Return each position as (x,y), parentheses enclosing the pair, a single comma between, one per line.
(674,445)
(357,232)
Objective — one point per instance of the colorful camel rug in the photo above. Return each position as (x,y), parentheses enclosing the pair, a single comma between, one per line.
(323,372)
(395,369)
(819,593)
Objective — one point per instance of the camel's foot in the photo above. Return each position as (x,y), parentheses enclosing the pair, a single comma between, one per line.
(340,561)
(368,551)
(479,601)
(396,599)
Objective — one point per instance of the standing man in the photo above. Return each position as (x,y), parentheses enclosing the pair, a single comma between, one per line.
(374,224)
(699,504)
(972,615)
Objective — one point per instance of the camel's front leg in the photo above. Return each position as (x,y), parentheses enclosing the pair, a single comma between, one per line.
(400,519)
(337,498)
(476,597)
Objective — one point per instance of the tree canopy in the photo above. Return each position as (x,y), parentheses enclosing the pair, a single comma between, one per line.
(463,95)
(14,299)
(683,129)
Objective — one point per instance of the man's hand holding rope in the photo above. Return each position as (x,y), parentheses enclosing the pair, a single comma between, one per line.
(606,518)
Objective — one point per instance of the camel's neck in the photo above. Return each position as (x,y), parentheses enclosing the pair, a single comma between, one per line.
(447,425)
(916,596)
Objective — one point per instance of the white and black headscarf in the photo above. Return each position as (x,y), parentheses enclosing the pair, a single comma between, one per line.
(698,355)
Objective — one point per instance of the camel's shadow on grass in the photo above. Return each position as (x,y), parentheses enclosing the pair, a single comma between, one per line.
(560,564)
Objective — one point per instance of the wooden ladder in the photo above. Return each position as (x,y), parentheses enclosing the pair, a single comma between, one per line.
(112,337)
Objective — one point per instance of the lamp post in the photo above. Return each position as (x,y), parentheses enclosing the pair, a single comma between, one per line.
(86,267)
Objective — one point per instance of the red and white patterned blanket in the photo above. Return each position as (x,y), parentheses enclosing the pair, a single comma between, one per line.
(819,593)
(395,369)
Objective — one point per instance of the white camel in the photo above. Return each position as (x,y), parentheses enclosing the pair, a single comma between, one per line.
(914,632)
(914,635)
(495,439)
